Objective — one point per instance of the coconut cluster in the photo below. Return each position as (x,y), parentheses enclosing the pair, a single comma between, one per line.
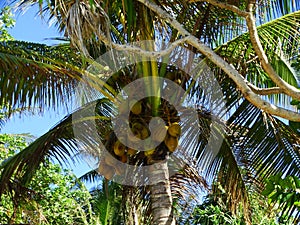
(139,119)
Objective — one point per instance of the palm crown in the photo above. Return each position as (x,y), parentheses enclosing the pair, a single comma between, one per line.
(254,144)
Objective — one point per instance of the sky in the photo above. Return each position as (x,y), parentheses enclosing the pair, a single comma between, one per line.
(30,27)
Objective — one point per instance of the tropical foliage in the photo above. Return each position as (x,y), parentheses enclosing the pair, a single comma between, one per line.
(283,193)
(214,211)
(7,22)
(54,196)
(255,145)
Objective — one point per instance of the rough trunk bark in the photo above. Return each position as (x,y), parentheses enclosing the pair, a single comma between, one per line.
(161,198)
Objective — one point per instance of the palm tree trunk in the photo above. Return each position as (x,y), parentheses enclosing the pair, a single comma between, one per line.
(161,198)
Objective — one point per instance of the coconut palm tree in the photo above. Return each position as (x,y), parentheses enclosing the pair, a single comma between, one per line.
(253,144)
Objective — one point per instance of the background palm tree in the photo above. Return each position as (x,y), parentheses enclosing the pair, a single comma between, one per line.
(256,145)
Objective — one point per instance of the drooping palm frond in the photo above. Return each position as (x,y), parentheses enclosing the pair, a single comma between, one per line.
(263,147)
(90,177)
(230,167)
(276,145)
(228,172)
(209,150)
(255,147)
(62,143)
(36,75)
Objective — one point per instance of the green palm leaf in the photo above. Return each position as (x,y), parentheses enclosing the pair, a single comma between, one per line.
(268,145)
(59,143)
(107,203)
(90,177)
(36,75)
(279,38)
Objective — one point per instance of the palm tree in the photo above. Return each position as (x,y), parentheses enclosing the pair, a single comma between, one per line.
(253,143)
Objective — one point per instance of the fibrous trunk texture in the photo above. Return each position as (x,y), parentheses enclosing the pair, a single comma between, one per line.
(161,198)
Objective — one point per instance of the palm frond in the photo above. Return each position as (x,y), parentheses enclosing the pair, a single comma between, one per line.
(228,172)
(263,146)
(276,8)
(3,117)
(187,185)
(107,203)
(36,75)
(60,143)
(267,145)
(280,40)
(255,147)
(91,176)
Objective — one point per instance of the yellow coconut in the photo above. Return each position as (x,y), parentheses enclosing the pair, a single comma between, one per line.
(149,152)
(141,130)
(174,130)
(119,148)
(131,151)
(124,159)
(171,143)
(177,81)
(144,133)
(136,108)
